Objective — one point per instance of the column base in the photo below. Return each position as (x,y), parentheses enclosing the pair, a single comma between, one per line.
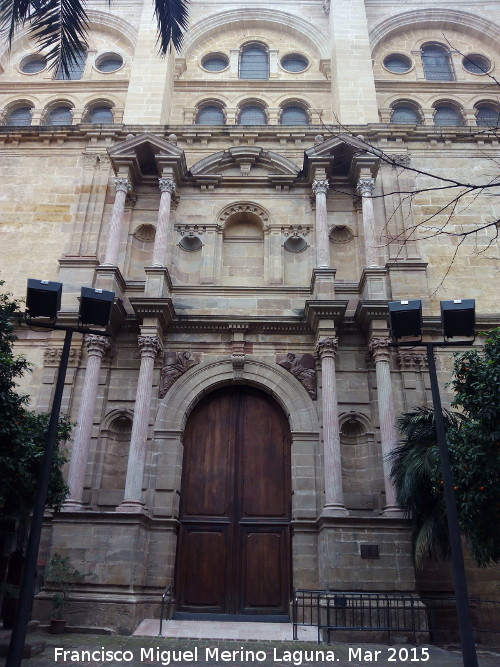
(71,505)
(334,510)
(393,511)
(131,507)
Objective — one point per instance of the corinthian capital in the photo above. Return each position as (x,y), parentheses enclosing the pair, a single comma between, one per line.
(365,186)
(122,184)
(379,348)
(320,186)
(149,346)
(327,347)
(166,185)
(97,346)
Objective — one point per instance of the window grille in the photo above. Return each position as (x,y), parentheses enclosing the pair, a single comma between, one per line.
(398,64)
(109,63)
(405,114)
(252,115)
(100,115)
(75,68)
(436,63)
(20,116)
(294,115)
(215,63)
(33,65)
(210,115)
(60,116)
(476,64)
(447,115)
(488,117)
(254,63)
(294,63)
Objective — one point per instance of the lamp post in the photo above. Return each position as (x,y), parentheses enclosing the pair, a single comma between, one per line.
(44,300)
(458,319)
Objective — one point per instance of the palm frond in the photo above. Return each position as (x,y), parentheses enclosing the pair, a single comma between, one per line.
(60,26)
(12,14)
(172,18)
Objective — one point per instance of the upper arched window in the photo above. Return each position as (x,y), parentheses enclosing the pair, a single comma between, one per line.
(100,115)
(252,115)
(254,62)
(488,115)
(59,116)
(294,115)
(210,115)
(75,68)
(437,63)
(19,116)
(446,114)
(405,114)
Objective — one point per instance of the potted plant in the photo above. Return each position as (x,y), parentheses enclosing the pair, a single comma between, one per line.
(61,575)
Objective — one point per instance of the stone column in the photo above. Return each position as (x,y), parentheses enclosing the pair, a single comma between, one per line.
(167,189)
(365,188)
(149,347)
(122,186)
(379,347)
(97,347)
(322,239)
(334,500)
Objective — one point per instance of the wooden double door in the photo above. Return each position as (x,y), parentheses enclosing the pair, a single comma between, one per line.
(233,555)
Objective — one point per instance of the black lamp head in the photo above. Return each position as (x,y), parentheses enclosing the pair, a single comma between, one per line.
(95,306)
(458,318)
(405,318)
(43,298)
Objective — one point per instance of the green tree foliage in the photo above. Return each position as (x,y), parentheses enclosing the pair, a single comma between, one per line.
(60,28)
(22,432)
(473,435)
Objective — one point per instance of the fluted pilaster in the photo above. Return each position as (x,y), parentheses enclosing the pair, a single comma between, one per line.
(380,350)
(122,186)
(326,350)
(149,347)
(97,346)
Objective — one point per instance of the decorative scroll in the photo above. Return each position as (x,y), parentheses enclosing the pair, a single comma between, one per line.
(52,356)
(175,365)
(303,368)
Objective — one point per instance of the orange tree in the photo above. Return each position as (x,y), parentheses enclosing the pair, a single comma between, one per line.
(473,435)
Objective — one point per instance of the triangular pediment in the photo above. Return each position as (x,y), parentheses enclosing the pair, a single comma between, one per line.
(146,155)
(251,163)
(338,156)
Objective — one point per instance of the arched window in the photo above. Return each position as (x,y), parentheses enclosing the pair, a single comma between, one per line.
(294,115)
(254,62)
(488,116)
(210,115)
(75,68)
(436,62)
(447,115)
(59,116)
(100,115)
(252,115)
(405,114)
(19,116)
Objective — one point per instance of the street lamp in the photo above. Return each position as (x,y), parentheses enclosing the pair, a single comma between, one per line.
(43,299)
(458,319)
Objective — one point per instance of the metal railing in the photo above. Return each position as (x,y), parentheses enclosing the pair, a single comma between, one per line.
(167,598)
(418,618)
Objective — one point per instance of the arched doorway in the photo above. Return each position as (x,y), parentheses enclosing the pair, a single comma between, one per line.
(233,554)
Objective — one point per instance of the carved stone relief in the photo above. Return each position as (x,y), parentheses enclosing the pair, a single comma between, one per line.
(303,368)
(176,364)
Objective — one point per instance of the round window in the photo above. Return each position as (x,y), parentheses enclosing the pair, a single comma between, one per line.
(109,62)
(33,64)
(215,62)
(397,63)
(476,64)
(294,63)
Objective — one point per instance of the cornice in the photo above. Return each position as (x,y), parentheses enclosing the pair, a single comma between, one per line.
(252,324)
(318,310)
(367,311)
(161,309)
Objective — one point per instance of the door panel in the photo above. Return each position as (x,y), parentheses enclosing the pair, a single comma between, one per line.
(234,547)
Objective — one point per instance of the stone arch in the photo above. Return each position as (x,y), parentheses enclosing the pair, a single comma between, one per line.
(249,208)
(112,458)
(204,378)
(257,19)
(487,31)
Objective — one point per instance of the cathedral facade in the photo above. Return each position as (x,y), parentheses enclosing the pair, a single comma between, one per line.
(253,201)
